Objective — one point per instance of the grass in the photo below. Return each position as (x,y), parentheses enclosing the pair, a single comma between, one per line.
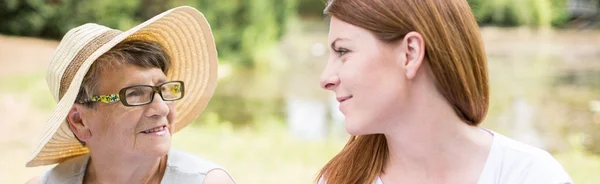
(273,157)
(583,167)
(264,156)
(32,86)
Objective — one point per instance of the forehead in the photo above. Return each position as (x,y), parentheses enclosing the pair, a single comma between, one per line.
(339,29)
(115,78)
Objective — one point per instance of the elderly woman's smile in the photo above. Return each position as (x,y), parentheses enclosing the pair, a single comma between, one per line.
(159,130)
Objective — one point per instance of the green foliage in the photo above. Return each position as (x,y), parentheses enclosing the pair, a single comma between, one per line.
(52,19)
(541,13)
(313,8)
(246,31)
(241,28)
(495,12)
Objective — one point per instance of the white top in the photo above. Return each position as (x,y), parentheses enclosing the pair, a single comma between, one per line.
(181,167)
(512,162)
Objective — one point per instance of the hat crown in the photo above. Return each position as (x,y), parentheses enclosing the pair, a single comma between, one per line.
(74,48)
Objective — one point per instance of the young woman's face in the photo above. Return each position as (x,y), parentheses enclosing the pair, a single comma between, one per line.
(366,75)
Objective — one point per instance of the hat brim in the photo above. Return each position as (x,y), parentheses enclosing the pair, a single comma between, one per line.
(187,38)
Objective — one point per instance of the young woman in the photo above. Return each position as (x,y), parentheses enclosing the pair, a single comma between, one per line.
(411,78)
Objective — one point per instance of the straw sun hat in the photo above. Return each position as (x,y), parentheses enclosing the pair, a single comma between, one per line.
(182,31)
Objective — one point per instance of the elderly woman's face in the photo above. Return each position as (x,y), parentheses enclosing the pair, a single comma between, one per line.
(128,130)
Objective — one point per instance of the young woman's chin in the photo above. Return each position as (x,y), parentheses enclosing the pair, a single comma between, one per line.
(357,126)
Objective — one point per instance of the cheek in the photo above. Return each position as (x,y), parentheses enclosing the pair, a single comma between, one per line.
(353,72)
(172,113)
(377,87)
(121,122)
(367,74)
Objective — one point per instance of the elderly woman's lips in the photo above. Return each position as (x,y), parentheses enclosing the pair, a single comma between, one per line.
(154,130)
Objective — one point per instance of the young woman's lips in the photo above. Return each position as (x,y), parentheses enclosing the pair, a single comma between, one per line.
(343,98)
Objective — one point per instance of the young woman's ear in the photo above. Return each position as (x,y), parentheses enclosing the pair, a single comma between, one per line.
(413,46)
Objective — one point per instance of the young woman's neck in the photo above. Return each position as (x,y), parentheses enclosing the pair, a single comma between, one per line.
(432,142)
(113,168)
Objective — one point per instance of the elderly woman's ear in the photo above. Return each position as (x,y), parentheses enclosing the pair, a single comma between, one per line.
(79,128)
(218,176)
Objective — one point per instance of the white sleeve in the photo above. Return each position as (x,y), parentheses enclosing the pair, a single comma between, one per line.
(546,170)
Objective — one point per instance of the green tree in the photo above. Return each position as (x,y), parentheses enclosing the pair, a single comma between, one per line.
(243,27)
(52,19)
(540,13)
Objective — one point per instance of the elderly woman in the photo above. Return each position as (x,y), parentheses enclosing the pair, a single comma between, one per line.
(411,78)
(122,95)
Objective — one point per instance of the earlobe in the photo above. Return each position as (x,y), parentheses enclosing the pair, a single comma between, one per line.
(77,125)
(415,53)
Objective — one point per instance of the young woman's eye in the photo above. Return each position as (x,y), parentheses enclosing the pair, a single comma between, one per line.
(341,51)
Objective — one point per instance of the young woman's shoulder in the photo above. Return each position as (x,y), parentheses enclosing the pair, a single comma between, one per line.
(511,161)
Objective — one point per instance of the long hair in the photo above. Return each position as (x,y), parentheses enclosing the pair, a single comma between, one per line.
(454,51)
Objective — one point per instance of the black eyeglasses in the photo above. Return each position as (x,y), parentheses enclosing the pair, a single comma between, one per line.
(142,94)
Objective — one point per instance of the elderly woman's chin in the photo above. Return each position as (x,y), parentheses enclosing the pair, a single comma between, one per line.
(152,145)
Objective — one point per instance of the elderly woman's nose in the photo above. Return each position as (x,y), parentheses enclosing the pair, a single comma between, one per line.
(158,107)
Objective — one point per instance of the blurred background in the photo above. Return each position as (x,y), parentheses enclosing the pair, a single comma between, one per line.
(269,122)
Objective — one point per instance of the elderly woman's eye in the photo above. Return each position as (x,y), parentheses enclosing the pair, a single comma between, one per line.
(135,93)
